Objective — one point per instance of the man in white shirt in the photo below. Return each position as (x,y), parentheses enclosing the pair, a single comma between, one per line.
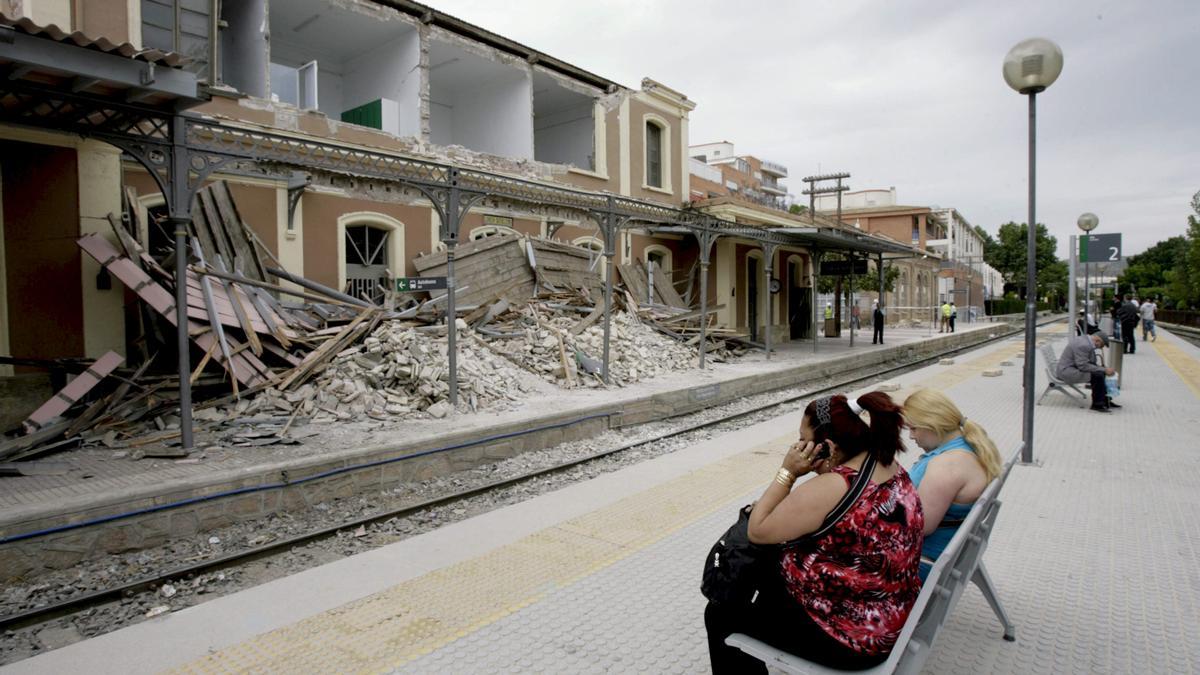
(1147,310)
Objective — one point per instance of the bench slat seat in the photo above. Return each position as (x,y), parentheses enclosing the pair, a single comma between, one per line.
(1055,384)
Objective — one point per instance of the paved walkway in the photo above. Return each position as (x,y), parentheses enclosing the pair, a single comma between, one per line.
(1094,556)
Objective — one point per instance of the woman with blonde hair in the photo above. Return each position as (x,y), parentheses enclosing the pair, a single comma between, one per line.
(959,462)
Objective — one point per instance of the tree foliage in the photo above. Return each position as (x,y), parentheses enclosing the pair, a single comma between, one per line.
(1010,253)
(1170,268)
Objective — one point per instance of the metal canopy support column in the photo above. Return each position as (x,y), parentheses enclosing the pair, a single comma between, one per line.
(610,226)
(705,237)
(814,276)
(769,249)
(179,200)
(879,269)
(850,255)
(451,206)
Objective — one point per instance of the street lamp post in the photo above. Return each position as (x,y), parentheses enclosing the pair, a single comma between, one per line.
(1086,222)
(1030,67)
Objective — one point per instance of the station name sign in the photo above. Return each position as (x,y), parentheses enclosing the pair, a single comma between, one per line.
(841,268)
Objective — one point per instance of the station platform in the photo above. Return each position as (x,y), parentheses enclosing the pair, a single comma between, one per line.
(1094,557)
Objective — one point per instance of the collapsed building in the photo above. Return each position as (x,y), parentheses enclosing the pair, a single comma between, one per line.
(353,163)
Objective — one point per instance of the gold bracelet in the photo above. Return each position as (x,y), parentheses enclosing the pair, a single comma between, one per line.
(784,477)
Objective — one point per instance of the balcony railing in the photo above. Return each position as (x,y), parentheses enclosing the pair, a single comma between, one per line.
(774,188)
(777,169)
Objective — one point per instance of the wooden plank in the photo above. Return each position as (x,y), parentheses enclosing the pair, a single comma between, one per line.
(240,310)
(246,258)
(156,296)
(324,352)
(202,215)
(665,290)
(75,390)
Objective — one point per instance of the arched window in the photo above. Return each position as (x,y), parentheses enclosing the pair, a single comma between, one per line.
(656,138)
(595,249)
(660,256)
(370,253)
(366,260)
(491,231)
(654,154)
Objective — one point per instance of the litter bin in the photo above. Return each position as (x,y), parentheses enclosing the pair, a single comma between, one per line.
(832,329)
(1116,352)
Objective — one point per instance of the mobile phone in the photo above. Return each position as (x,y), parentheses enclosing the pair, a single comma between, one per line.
(822,451)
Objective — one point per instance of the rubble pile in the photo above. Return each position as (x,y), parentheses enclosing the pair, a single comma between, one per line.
(280,351)
(397,371)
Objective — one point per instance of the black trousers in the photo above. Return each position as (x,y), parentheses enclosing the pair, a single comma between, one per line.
(1128,336)
(780,622)
(1099,390)
(878,334)
(952,319)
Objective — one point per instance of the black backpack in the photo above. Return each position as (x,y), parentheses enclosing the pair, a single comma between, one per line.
(737,570)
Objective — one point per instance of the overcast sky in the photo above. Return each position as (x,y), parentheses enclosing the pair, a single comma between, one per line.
(910,94)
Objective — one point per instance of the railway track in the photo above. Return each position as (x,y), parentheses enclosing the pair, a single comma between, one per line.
(82,602)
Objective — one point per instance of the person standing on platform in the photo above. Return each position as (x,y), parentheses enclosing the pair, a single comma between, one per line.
(1147,311)
(953,316)
(945,318)
(854,322)
(1116,307)
(1128,315)
(877,323)
(1078,365)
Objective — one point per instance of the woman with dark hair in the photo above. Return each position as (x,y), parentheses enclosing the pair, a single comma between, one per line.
(842,599)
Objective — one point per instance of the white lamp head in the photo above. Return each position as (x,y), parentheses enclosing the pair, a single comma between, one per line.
(1032,65)
(1088,222)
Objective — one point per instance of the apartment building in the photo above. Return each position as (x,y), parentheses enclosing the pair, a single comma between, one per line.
(719,171)
(966,278)
(878,212)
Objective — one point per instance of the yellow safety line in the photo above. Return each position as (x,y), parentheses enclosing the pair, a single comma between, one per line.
(1184,365)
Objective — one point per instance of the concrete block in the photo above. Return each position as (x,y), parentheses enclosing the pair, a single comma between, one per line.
(1006,363)
(887,386)
(120,539)
(245,505)
(995,372)
(14,564)
(946,362)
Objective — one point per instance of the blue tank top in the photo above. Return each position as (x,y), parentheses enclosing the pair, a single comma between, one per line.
(936,541)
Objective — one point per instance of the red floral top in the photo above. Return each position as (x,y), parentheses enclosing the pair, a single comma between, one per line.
(860,580)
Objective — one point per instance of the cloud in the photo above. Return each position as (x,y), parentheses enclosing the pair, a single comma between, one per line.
(910,95)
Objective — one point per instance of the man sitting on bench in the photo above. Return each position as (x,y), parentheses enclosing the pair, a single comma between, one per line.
(1078,365)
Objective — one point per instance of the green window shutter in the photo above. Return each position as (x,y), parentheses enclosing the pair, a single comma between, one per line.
(367,115)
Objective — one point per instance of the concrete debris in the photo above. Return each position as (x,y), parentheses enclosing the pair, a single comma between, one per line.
(1006,363)
(946,362)
(155,611)
(996,372)
(277,359)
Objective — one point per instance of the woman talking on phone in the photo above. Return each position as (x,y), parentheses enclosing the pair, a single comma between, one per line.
(842,597)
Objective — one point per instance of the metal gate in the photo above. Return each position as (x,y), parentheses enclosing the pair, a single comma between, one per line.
(366,261)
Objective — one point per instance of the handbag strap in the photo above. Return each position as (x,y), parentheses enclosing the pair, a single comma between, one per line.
(843,506)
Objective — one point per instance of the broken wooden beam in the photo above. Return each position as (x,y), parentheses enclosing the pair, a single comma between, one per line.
(73,392)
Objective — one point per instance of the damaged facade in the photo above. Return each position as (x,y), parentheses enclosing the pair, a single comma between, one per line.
(412,83)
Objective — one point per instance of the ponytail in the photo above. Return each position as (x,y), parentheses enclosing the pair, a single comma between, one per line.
(886,422)
(985,450)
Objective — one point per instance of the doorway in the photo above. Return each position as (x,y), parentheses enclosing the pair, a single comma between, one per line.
(799,303)
(752,274)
